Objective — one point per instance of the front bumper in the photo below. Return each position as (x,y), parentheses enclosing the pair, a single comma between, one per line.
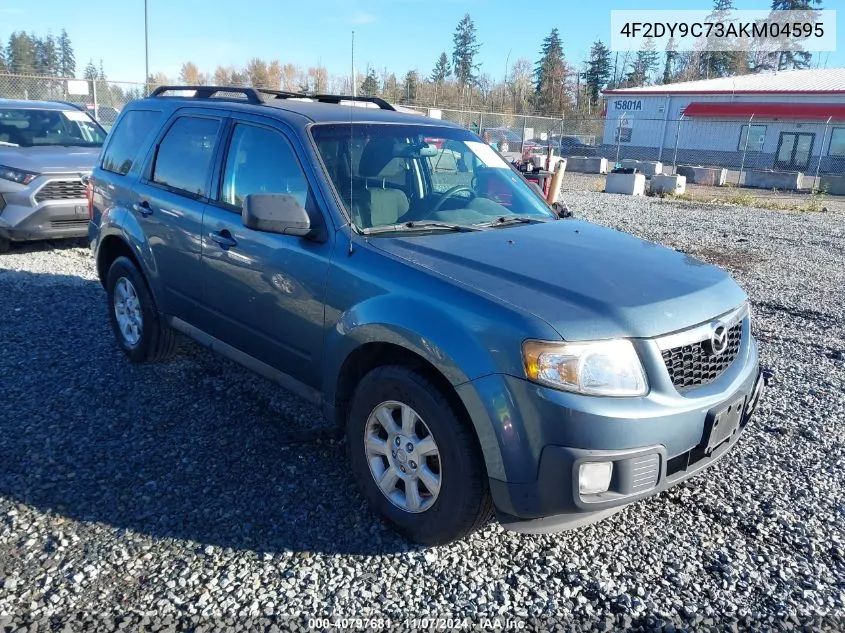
(555,503)
(535,439)
(26,215)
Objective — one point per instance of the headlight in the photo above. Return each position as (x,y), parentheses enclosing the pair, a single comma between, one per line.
(17,175)
(601,368)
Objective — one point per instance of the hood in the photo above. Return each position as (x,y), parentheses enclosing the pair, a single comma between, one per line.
(50,160)
(587,281)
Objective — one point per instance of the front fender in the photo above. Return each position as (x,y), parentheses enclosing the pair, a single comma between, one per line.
(415,325)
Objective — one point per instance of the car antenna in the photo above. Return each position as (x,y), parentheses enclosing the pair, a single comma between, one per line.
(351,141)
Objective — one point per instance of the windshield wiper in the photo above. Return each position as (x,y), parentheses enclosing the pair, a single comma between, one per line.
(425,225)
(512,219)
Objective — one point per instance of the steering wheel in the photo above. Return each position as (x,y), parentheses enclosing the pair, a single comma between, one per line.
(451,193)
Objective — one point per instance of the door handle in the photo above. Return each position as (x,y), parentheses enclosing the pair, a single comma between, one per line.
(223,238)
(143,208)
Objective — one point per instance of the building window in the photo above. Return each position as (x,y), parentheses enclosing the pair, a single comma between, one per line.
(755,141)
(837,142)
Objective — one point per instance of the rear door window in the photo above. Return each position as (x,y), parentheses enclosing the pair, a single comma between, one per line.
(127,139)
(185,154)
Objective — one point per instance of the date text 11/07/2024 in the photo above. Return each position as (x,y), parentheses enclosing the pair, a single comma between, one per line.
(418,624)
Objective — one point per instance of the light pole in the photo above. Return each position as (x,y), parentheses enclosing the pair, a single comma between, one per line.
(505,86)
(146,49)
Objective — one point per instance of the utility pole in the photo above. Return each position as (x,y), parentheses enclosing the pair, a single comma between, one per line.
(146,47)
(505,84)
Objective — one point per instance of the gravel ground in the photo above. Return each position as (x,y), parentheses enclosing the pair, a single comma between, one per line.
(168,496)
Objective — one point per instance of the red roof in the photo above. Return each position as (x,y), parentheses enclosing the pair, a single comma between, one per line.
(770,110)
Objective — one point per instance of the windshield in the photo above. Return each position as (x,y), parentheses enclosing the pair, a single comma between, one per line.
(30,127)
(393,174)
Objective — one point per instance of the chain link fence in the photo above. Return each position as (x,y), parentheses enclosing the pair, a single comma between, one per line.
(776,154)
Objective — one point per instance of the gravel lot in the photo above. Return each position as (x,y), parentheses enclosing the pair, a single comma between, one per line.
(159,495)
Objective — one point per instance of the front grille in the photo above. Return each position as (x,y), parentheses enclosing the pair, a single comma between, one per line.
(69,224)
(61,190)
(692,365)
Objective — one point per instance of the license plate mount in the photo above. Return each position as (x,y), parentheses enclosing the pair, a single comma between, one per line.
(721,424)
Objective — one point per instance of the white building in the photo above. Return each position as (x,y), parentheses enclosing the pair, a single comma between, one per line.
(796,117)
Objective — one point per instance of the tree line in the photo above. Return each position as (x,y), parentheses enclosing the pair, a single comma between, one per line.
(29,54)
(550,85)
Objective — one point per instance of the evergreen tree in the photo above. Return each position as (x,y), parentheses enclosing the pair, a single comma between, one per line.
(369,87)
(645,63)
(463,55)
(91,73)
(598,70)
(50,56)
(101,74)
(67,60)
(410,89)
(716,63)
(669,61)
(442,69)
(794,59)
(20,55)
(3,67)
(550,76)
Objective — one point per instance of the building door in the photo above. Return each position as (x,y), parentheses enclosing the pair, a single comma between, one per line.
(794,151)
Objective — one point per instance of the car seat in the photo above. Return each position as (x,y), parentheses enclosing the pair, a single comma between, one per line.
(382,204)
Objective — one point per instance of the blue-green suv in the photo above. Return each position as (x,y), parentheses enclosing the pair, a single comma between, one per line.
(483,351)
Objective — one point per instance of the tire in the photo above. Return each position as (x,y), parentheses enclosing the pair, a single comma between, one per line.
(5,245)
(150,339)
(462,504)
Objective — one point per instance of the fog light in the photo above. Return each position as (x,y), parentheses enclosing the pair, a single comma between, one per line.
(594,477)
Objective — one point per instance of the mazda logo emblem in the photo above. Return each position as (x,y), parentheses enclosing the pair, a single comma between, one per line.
(718,341)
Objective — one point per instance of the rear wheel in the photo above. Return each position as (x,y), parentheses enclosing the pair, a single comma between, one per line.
(417,462)
(5,245)
(139,329)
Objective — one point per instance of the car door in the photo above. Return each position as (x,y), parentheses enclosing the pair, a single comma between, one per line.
(171,198)
(265,291)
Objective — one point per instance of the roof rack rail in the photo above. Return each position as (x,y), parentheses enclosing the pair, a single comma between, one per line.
(206,92)
(259,96)
(283,94)
(325,98)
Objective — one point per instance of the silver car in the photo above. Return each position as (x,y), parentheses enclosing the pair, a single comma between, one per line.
(46,149)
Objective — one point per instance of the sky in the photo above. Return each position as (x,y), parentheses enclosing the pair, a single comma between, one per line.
(401,35)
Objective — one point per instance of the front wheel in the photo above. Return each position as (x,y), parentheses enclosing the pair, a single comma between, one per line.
(416,461)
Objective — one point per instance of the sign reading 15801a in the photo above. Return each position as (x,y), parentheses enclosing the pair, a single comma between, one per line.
(628,105)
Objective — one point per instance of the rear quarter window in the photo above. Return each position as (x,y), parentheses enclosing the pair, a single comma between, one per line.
(127,139)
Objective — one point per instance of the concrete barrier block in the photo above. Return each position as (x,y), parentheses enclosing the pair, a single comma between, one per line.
(676,185)
(711,176)
(587,164)
(628,184)
(785,180)
(647,167)
(834,185)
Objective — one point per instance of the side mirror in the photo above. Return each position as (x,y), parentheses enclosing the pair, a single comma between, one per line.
(276,213)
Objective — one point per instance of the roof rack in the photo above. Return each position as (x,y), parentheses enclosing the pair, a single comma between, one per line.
(259,96)
(207,92)
(381,103)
